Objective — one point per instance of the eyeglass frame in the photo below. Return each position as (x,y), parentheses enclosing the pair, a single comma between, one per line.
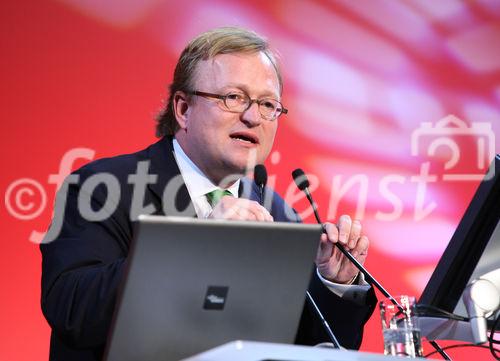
(224,97)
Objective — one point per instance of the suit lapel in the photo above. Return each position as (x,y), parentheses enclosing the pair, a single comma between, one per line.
(248,190)
(169,188)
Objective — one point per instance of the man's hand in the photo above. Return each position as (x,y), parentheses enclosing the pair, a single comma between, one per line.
(331,263)
(240,209)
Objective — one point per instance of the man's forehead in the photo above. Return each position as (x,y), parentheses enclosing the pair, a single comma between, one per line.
(236,68)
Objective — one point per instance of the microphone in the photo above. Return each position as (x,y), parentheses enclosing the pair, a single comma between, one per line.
(302,183)
(260,179)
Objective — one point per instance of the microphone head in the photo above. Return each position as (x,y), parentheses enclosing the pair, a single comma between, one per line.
(260,175)
(300,179)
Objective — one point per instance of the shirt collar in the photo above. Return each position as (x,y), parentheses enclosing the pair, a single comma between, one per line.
(196,182)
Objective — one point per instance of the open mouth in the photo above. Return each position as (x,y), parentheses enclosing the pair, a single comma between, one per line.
(245,137)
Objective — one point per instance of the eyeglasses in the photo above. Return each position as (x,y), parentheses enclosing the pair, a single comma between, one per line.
(239,102)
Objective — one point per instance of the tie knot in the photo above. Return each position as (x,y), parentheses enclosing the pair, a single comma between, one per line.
(214,196)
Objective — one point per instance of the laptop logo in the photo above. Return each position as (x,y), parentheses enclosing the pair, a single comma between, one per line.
(215,298)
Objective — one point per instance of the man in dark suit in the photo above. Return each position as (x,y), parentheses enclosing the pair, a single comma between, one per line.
(220,120)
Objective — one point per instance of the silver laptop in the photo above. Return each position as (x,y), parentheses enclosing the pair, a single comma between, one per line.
(194,284)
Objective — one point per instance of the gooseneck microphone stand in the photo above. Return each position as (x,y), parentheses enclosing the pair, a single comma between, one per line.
(302,183)
(260,179)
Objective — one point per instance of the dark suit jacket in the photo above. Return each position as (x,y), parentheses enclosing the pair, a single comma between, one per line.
(82,268)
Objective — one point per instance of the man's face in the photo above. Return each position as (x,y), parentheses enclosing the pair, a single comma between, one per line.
(219,142)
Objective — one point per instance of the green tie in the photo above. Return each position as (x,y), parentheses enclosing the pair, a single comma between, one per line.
(214,196)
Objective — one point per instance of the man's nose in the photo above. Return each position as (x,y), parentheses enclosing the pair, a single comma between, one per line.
(252,117)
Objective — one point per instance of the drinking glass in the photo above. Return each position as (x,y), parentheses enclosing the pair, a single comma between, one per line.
(400,327)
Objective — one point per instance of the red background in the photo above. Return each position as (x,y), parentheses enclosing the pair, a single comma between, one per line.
(360,77)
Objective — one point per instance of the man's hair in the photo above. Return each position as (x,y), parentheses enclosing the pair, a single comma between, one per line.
(224,40)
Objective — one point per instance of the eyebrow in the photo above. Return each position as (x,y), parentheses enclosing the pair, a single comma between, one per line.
(243,88)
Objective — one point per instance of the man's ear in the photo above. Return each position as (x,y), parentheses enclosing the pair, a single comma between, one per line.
(181,109)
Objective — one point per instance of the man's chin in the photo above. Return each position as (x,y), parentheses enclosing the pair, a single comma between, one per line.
(252,158)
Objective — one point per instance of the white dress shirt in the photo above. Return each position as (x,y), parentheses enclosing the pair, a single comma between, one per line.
(198,185)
